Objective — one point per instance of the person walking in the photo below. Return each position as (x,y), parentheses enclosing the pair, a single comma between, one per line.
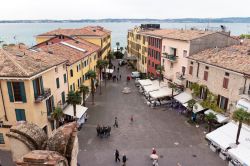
(124,159)
(131,119)
(118,69)
(117,156)
(116,123)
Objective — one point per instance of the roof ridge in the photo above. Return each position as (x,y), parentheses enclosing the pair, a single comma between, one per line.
(15,63)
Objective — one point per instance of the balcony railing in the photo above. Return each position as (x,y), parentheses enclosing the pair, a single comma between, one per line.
(170,57)
(40,98)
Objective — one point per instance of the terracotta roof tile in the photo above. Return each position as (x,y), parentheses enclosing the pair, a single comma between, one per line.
(72,50)
(236,57)
(178,34)
(18,61)
(85,31)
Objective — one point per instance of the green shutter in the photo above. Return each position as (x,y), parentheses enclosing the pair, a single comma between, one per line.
(65,78)
(2,138)
(57,83)
(53,105)
(35,88)
(23,94)
(41,83)
(20,115)
(10,92)
(47,106)
(63,97)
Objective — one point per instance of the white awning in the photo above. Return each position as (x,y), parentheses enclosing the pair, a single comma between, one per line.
(220,118)
(109,71)
(224,136)
(243,103)
(197,108)
(80,111)
(154,86)
(183,97)
(162,92)
(241,153)
(145,82)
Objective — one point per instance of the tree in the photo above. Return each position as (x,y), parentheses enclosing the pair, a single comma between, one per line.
(210,118)
(101,65)
(110,57)
(121,49)
(160,70)
(57,115)
(240,116)
(92,75)
(191,104)
(174,88)
(117,45)
(74,98)
(84,90)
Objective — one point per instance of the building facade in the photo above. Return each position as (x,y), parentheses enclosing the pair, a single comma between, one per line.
(223,71)
(94,34)
(82,56)
(32,85)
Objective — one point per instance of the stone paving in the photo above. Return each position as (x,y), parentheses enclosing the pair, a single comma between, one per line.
(177,142)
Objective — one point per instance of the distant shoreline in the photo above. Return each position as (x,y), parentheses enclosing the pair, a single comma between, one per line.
(181,20)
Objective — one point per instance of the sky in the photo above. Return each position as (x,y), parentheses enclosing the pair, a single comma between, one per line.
(99,9)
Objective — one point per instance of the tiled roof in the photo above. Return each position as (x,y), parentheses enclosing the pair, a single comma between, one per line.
(178,34)
(72,50)
(18,61)
(85,31)
(236,57)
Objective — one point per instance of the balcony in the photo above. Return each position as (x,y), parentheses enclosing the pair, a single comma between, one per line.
(244,94)
(40,98)
(171,57)
(180,78)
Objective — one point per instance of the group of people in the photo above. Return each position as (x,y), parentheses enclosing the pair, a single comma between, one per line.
(117,157)
(103,131)
(116,77)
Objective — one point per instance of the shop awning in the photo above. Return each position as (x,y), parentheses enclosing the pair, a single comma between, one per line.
(243,103)
(162,92)
(220,118)
(145,82)
(241,153)
(224,136)
(183,97)
(154,86)
(197,108)
(80,111)
(109,71)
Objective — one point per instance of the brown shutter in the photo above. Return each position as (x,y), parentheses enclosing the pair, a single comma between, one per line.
(225,83)
(226,103)
(190,70)
(218,100)
(205,75)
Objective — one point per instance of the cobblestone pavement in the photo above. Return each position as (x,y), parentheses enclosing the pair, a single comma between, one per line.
(177,142)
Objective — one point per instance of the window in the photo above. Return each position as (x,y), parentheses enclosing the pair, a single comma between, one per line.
(20,115)
(77,68)
(16,91)
(50,105)
(191,62)
(56,69)
(190,70)
(222,102)
(38,87)
(71,72)
(63,98)
(1,139)
(205,75)
(57,83)
(65,78)
(225,83)
(226,74)
(183,70)
(74,87)
(184,53)
(78,83)
(206,67)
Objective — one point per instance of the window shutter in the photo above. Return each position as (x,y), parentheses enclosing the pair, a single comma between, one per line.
(225,83)
(65,78)
(218,100)
(34,88)
(20,115)
(63,97)
(41,83)
(226,103)
(47,106)
(190,70)
(23,94)
(205,75)
(10,92)
(52,101)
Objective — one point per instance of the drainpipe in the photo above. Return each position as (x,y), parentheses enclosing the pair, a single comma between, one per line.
(5,114)
(244,87)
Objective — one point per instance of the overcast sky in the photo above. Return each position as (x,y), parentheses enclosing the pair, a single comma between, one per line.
(98,9)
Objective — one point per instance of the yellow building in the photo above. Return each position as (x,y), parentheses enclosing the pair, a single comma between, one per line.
(32,83)
(93,34)
(138,47)
(81,55)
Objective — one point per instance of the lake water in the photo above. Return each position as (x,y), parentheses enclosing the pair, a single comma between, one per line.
(26,32)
